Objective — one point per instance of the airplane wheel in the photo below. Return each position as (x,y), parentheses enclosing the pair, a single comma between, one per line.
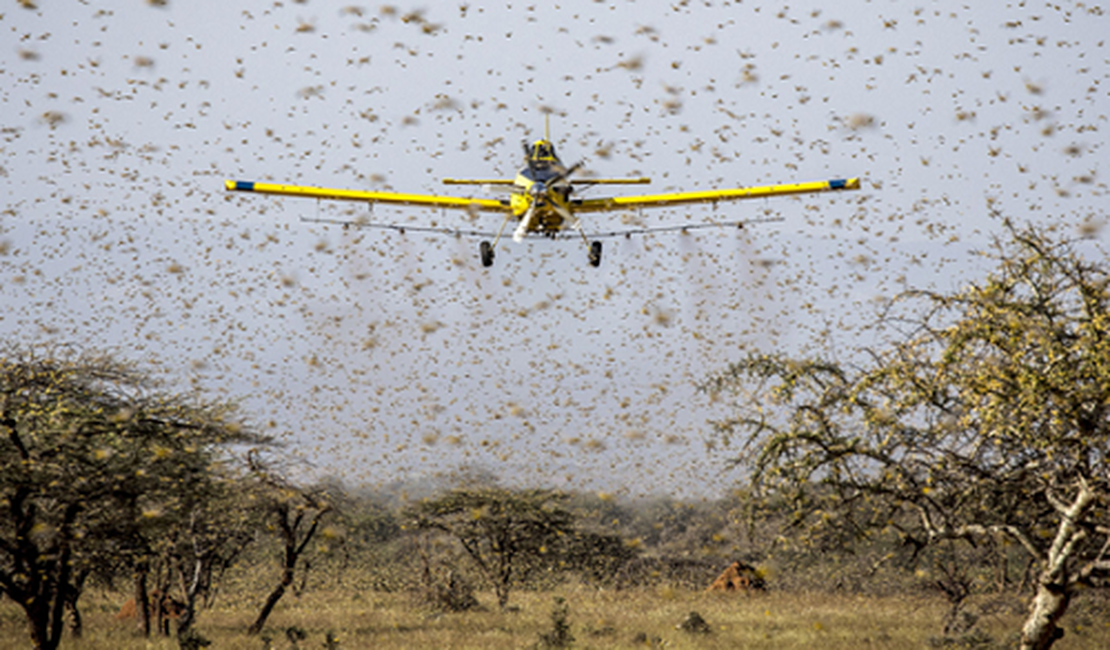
(595,254)
(486,252)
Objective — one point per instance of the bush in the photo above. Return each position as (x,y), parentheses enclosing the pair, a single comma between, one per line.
(559,636)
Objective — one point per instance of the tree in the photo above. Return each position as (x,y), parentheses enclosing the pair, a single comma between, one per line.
(295,514)
(89,450)
(505,532)
(985,417)
(202,520)
(216,523)
(597,557)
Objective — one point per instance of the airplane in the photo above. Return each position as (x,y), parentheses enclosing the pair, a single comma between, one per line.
(543,199)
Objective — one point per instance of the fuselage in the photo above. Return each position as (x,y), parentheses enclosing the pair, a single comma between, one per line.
(542,186)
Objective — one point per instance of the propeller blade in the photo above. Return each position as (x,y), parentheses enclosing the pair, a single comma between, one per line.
(490,188)
(575,222)
(525,223)
(559,208)
(528,158)
(564,174)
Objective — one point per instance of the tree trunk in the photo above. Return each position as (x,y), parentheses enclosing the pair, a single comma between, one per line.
(38,617)
(1040,631)
(503,586)
(76,623)
(160,596)
(1054,592)
(271,602)
(46,610)
(44,604)
(191,586)
(291,553)
(142,600)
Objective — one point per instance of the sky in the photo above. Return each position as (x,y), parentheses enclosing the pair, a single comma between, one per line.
(379,357)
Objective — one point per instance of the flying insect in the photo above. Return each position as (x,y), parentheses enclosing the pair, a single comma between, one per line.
(543,199)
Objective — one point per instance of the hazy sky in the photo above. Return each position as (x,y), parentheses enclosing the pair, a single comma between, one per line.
(381,356)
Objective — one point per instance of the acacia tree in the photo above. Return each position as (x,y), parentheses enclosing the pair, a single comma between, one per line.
(213,525)
(987,416)
(89,449)
(295,514)
(505,532)
(189,529)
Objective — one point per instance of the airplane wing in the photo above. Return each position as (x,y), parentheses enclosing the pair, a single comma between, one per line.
(709,196)
(426,200)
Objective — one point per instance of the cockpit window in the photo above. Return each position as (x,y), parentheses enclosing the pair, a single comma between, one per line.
(542,150)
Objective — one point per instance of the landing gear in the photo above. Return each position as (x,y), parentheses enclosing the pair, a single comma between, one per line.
(486,252)
(595,254)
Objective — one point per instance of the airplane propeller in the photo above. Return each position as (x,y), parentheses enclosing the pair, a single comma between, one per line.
(559,208)
(542,190)
(566,173)
(526,220)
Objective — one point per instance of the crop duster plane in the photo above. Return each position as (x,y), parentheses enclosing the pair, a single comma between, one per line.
(543,201)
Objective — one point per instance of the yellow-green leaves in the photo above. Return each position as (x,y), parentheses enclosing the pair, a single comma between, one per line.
(990,411)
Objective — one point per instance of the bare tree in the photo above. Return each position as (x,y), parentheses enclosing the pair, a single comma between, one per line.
(987,415)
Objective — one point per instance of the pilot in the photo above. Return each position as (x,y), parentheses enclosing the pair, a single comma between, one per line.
(542,154)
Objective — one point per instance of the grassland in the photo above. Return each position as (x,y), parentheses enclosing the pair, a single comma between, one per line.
(599,619)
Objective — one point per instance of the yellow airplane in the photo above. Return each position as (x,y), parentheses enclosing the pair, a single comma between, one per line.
(542,200)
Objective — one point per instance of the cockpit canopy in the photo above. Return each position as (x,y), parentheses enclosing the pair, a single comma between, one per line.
(542,151)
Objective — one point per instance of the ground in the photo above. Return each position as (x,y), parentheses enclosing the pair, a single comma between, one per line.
(598,620)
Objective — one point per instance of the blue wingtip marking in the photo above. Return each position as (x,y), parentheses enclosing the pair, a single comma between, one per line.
(838,184)
(244,186)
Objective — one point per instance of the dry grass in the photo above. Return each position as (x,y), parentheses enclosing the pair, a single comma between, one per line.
(598,620)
